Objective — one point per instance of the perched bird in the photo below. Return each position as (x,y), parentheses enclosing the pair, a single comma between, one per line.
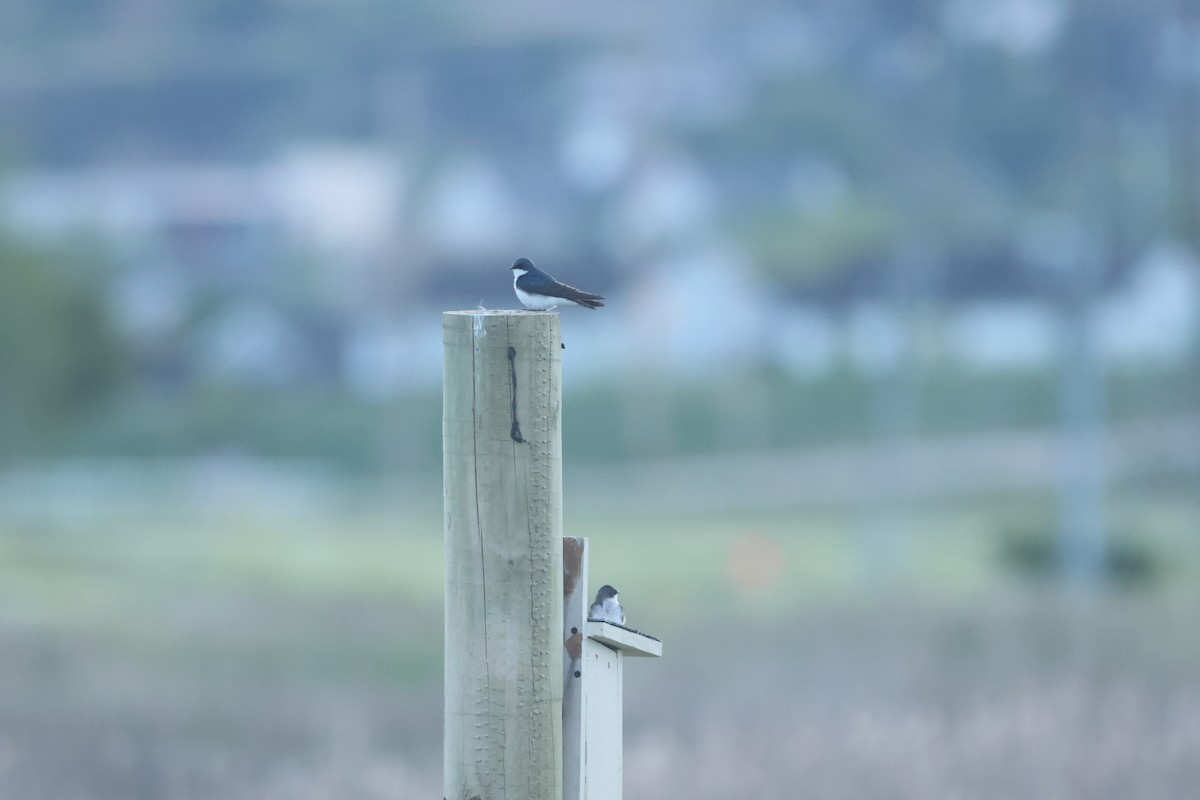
(607,607)
(537,290)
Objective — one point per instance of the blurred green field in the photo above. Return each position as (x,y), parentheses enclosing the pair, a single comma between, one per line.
(121,571)
(601,419)
(234,653)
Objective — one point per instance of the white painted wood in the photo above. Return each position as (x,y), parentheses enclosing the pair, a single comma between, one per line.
(604,718)
(630,643)
(593,660)
(575,605)
(502,456)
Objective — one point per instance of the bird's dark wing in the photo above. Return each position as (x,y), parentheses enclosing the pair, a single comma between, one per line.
(556,289)
(552,288)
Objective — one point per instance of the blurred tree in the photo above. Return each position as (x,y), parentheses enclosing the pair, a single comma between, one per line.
(797,249)
(59,356)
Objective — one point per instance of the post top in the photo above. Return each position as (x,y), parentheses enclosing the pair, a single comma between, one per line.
(500,312)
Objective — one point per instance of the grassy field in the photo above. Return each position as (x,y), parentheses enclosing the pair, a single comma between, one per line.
(238,654)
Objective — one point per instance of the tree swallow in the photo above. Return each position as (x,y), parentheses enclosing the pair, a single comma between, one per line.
(537,290)
(607,607)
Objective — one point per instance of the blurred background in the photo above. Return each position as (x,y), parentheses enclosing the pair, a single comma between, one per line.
(890,428)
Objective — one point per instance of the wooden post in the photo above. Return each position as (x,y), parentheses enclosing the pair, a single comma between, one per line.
(502,450)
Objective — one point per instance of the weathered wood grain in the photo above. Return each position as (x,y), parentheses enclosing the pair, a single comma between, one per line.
(502,471)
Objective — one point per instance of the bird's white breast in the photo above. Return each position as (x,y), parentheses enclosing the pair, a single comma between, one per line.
(609,610)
